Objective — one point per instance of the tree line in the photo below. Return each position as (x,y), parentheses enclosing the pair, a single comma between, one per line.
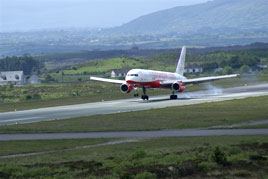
(234,62)
(24,63)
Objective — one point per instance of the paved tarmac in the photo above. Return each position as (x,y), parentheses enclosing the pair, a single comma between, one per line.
(135,134)
(133,104)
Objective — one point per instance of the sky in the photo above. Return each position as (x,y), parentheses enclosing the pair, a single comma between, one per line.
(25,15)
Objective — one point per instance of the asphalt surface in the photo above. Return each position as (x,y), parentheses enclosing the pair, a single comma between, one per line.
(135,134)
(133,104)
(241,124)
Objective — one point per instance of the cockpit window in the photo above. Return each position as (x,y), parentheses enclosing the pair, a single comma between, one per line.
(132,75)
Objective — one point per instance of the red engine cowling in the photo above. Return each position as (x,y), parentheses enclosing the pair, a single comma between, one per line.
(126,88)
(178,86)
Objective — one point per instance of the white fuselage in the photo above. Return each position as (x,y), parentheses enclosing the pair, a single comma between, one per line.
(150,78)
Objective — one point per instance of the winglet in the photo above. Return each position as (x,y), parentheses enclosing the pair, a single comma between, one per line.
(180,66)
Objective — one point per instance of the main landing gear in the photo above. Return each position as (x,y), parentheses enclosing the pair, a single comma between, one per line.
(173,96)
(144,96)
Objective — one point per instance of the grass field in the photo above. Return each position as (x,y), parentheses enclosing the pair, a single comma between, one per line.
(163,62)
(181,117)
(15,147)
(195,157)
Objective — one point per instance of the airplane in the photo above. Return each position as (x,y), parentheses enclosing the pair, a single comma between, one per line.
(141,78)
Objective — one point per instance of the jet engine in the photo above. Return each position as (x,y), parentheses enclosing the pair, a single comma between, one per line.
(126,88)
(178,86)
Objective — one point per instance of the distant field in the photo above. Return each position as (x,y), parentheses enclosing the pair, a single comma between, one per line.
(181,117)
(168,62)
(195,157)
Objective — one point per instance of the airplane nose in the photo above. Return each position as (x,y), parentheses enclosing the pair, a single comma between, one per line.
(130,79)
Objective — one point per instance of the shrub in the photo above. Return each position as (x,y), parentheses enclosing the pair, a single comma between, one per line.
(36,96)
(28,97)
(138,154)
(10,86)
(207,166)
(219,156)
(49,78)
(244,69)
(146,175)
(227,70)
(174,159)
(24,91)
(241,157)
(234,150)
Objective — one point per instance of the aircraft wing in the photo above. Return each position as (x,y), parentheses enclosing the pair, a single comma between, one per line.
(199,80)
(107,80)
(207,79)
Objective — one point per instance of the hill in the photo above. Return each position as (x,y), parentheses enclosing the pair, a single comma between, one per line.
(62,60)
(218,17)
(168,61)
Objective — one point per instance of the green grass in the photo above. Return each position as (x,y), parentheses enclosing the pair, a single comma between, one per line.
(15,147)
(162,62)
(181,117)
(154,146)
(100,66)
(222,156)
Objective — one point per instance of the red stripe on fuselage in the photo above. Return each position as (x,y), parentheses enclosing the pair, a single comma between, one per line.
(153,84)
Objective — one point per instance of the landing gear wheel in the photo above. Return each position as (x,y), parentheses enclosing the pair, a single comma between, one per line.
(136,95)
(173,96)
(145,97)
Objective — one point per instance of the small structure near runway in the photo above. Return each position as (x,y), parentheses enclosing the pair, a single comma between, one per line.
(34,79)
(14,77)
(193,69)
(119,73)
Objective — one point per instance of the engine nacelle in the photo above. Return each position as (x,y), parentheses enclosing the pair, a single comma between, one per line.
(126,88)
(178,86)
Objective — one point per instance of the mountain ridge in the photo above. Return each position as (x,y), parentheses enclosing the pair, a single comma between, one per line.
(235,15)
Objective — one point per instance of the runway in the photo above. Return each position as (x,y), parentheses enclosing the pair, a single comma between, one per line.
(133,104)
(135,134)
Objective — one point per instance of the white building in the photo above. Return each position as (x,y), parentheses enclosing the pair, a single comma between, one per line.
(119,73)
(34,79)
(261,67)
(218,69)
(14,77)
(193,69)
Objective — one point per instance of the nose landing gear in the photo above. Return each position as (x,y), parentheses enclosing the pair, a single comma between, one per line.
(136,92)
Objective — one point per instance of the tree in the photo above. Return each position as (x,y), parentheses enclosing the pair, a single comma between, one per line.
(234,62)
(210,66)
(25,63)
(227,70)
(49,78)
(245,69)
(223,63)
